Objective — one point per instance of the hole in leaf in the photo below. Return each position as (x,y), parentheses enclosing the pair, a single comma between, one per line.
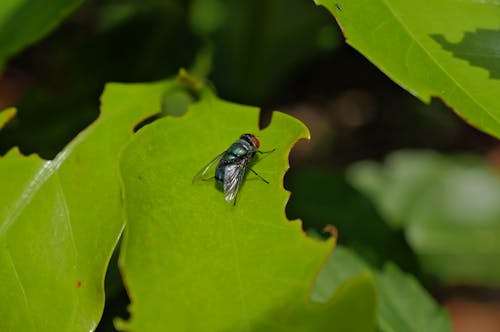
(146,121)
(265,117)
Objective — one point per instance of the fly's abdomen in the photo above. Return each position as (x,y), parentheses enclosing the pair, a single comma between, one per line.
(219,173)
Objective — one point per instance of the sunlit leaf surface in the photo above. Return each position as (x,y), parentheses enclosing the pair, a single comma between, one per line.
(61,219)
(443,48)
(193,262)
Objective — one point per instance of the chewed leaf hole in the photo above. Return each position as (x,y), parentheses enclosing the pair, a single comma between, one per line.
(146,121)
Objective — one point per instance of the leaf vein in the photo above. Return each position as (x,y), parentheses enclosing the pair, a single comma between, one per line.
(238,274)
(46,170)
(23,291)
(67,218)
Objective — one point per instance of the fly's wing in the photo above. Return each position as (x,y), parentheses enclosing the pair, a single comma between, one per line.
(233,178)
(204,170)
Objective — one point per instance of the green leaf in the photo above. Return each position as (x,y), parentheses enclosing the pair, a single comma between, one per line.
(403,305)
(61,219)
(396,186)
(193,262)
(6,116)
(448,207)
(446,49)
(22,22)
(340,267)
(352,308)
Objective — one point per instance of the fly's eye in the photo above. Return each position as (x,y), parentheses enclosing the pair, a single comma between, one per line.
(255,141)
(251,139)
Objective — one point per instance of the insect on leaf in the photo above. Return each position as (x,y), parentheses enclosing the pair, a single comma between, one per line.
(191,261)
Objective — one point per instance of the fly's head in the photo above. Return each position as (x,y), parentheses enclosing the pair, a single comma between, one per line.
(251,139)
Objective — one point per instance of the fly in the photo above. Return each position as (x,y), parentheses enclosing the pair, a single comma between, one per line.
(232,165)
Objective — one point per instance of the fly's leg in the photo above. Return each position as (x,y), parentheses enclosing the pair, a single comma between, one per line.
(260,177)
(254,172)
(263,152)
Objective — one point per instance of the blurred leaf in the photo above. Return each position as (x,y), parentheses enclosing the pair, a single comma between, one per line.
(61,219)
(396,186)
(411,41)
(22,22)
(124,41)
(352,308)
(449,209)
(341,266)
(175,101)
(6,115)
(207,16)
(193,262)
(262,42)
(403,305)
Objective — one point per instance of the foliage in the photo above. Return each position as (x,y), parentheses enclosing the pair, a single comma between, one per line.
(142,41)
(447,206)
(23,22)
(190,260)
(61,219)
(453,58)
(403,305)
(254,43)
(86,214)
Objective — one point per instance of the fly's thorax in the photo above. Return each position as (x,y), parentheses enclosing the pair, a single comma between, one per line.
(239,150)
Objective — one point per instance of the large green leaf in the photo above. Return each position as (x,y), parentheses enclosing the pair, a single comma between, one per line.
(193,262)
(443,48)
(449,208)
(61,219)
(23,21)
(403,305)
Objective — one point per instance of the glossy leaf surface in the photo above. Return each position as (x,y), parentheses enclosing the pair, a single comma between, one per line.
(444,48)
(193,262)
(60,221)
